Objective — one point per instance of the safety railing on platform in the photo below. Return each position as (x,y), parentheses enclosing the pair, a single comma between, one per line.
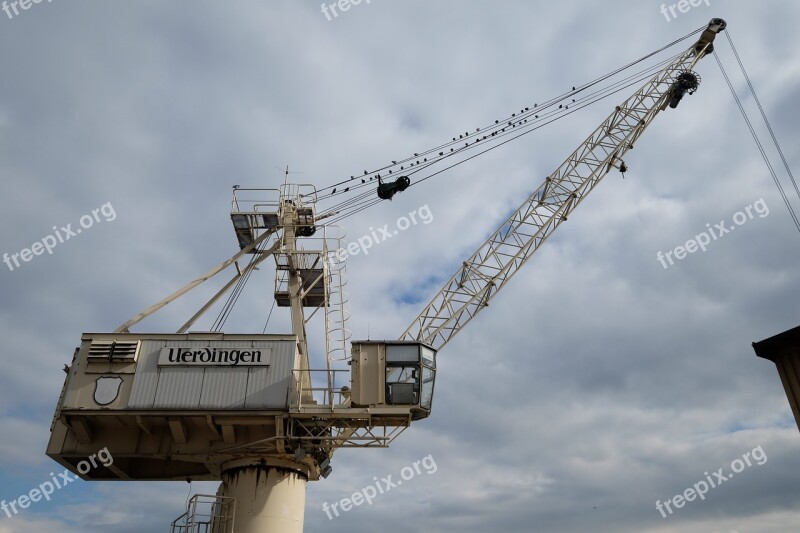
(328,388)
(255,200)
(206,514)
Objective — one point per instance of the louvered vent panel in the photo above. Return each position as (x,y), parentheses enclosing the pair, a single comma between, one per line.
(113,350)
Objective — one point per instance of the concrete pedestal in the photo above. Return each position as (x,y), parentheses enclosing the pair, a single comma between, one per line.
(269,499)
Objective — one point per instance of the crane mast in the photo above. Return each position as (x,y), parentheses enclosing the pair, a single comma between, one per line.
(487,271)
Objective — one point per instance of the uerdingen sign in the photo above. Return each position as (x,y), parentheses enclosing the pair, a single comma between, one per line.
(213,356)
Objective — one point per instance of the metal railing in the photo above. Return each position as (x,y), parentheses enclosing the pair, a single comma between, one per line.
(206,514)
(300,193)
(259,200)
(331,395)
(337,314)
(244,201)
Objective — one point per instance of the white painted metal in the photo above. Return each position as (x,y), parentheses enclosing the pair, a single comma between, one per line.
(295,282)
(125,328)
(269,499)
(503,254)
(213,387)
(272,498)
(239,274)
(206,514)
(337,314)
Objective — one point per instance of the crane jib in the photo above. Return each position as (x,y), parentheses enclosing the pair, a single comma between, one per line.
(482,276)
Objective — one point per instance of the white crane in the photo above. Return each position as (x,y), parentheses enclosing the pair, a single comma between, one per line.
(249,409)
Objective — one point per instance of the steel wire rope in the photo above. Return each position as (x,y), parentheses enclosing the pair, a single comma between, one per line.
(763,114)
(548,103)
(360,206)
(758,144)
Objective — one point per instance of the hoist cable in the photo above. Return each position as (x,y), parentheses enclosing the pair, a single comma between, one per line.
(362,205)
(557,99)
(233,297)
(500,130)
(758,143)
(763,114)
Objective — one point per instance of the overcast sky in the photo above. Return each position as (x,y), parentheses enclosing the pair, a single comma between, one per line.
(597,384)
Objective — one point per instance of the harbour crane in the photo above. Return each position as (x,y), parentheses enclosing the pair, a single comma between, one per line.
(249,409)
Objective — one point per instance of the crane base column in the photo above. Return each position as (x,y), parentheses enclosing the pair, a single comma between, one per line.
(269,499)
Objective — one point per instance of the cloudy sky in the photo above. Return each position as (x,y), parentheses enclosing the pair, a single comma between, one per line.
(598,384)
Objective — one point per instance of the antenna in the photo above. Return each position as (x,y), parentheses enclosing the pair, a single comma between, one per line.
(286,173)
